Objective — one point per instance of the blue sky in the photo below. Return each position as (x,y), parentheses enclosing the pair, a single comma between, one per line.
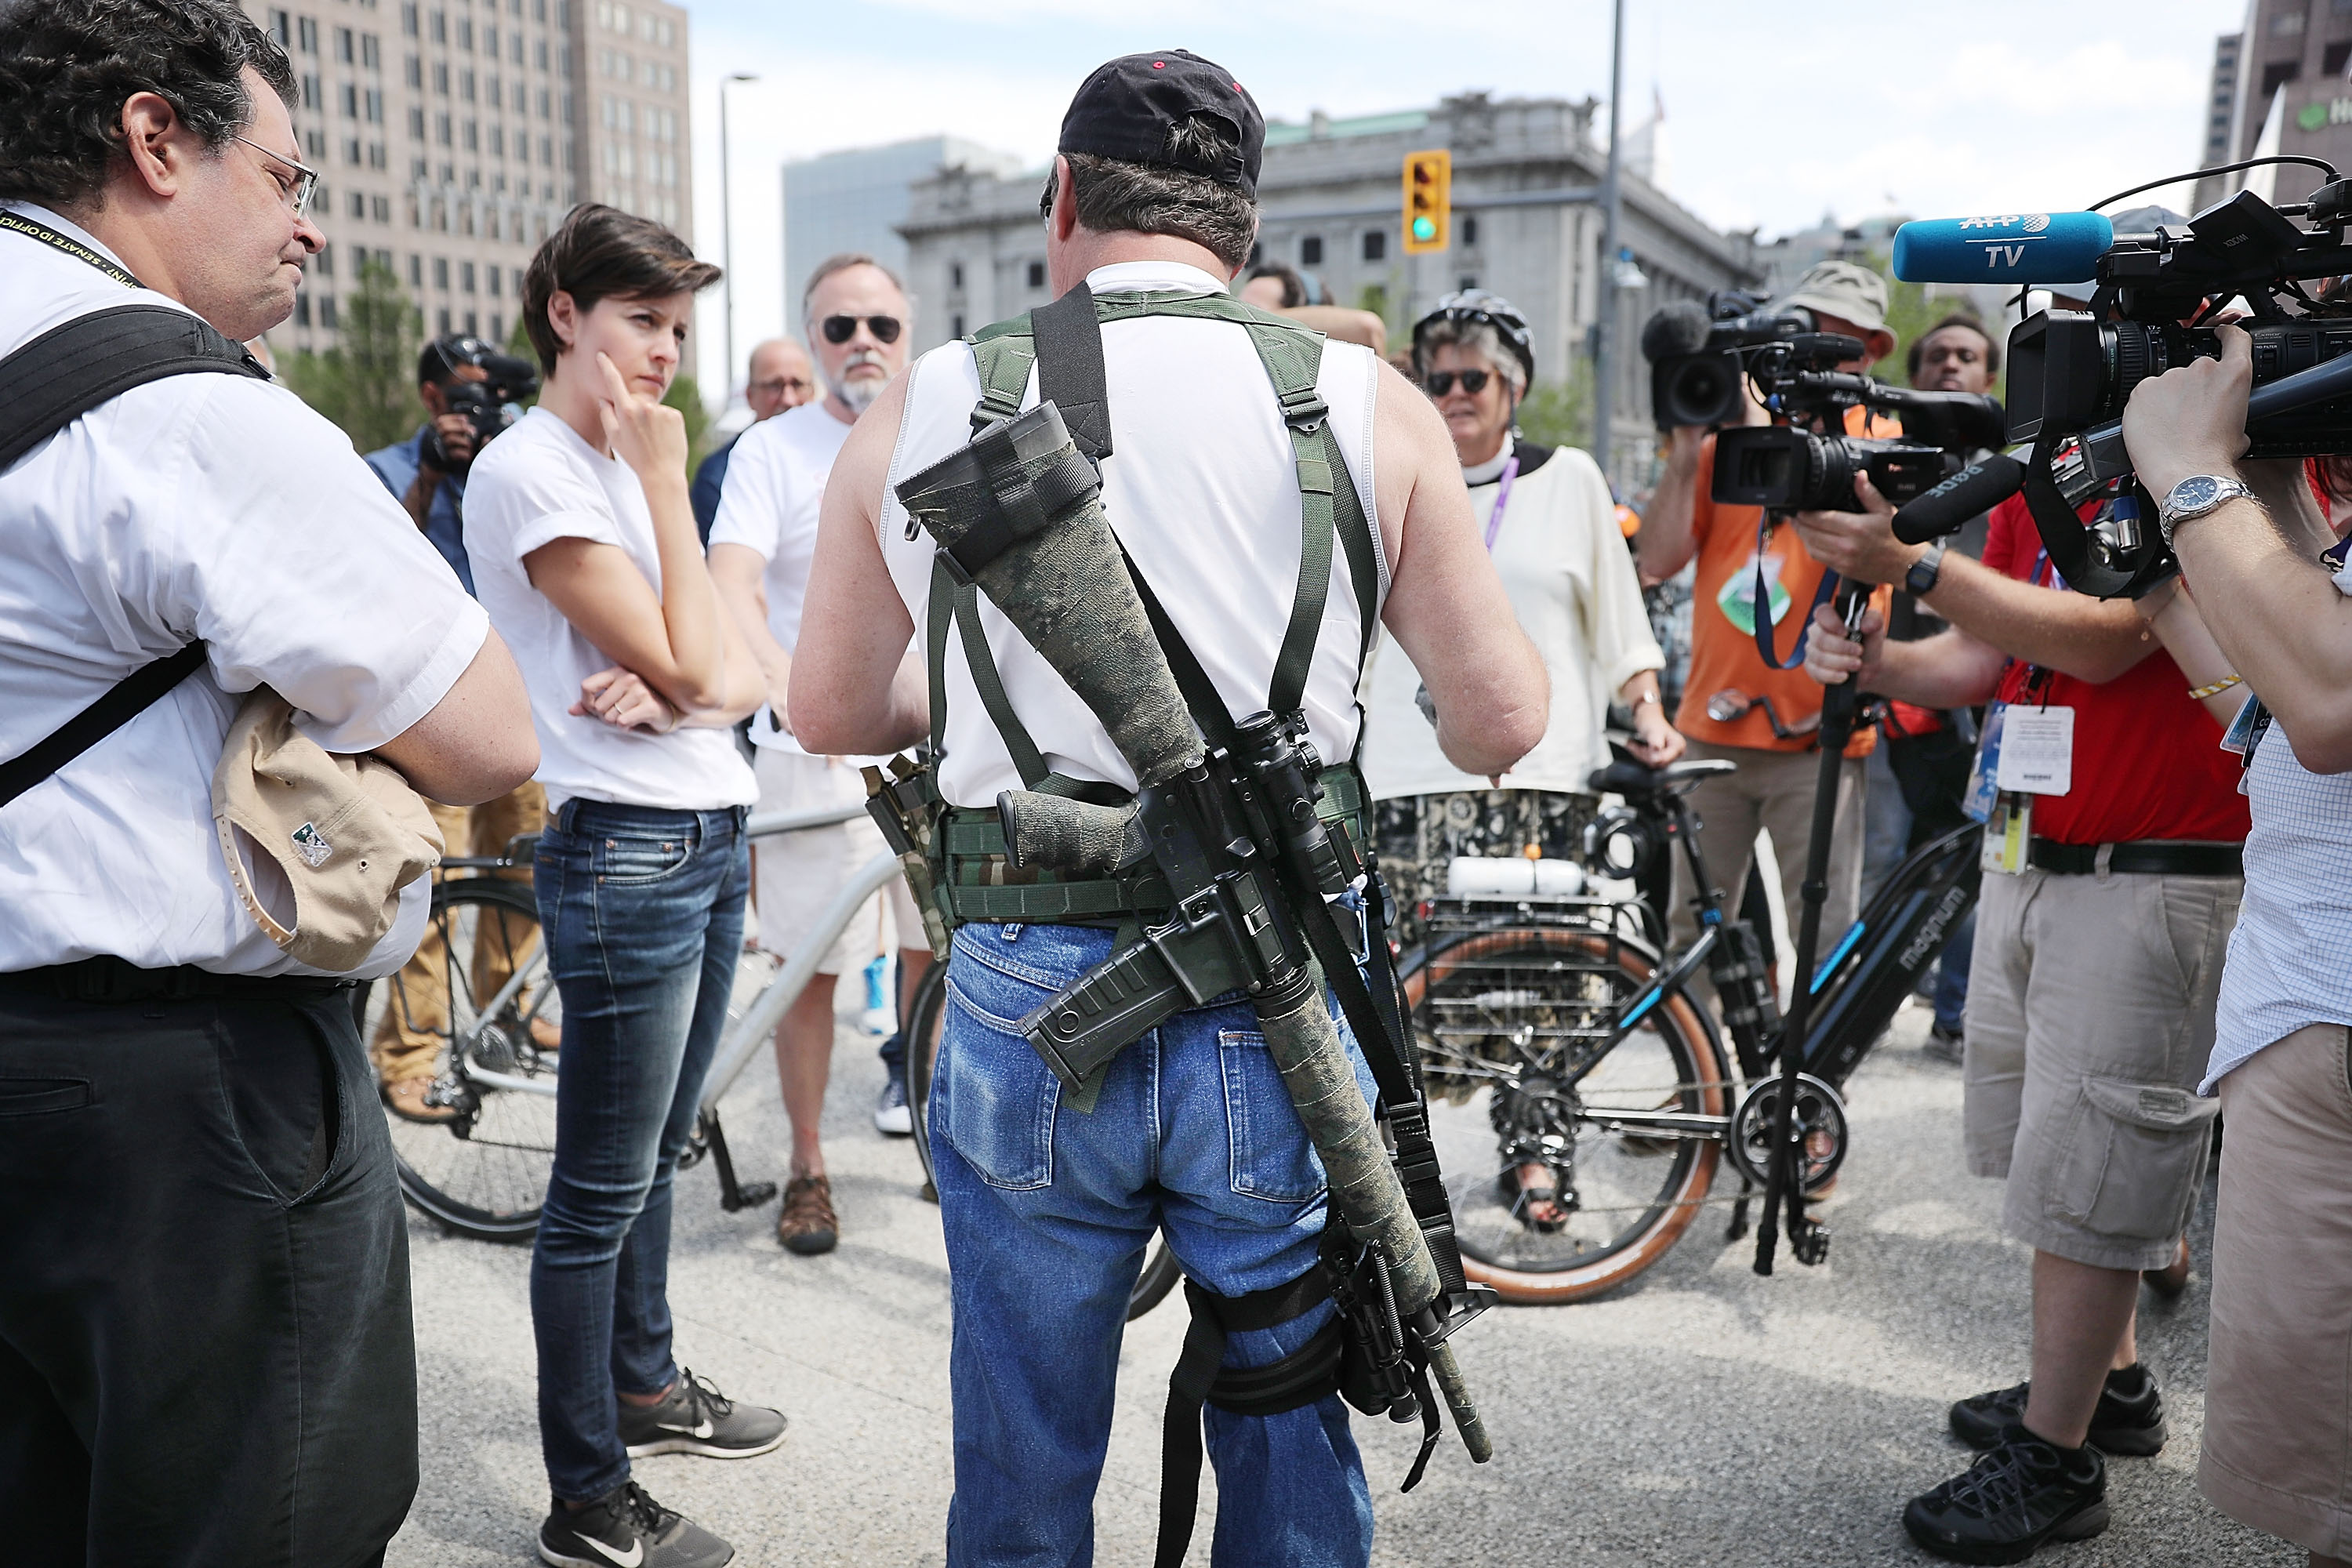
(1776,113)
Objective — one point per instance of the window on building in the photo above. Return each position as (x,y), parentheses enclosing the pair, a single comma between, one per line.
(441,320)
(441,77)
(301,310)
(351,149)
(326,261)
(466,276)
(440,27)
(382,206)
(1036,275)
(441,272)
(346,45)
(349,94)
(1469,234)
(327,311)
(955,274)
(441,129)
(376,160)
(2287,23)
(498,142)
(955,325)
(470,327)
(415,71)
(2331,63)
(1468,280)
(498,326)
(408,19)
(373,104)
(371,52)
(539,54)
(416,123)
(316,141)
(1376,244)
(416,272)
(312,98)
(2277,75)
(306,29)
(465,32)
(465,85)
(1310,250)
(491,40)
(492,279)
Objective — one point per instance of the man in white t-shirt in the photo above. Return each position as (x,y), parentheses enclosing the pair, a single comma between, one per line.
(205,1351)
(858,318)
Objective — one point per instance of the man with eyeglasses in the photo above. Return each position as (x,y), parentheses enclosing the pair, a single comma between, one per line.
(778,376)
(856,318)
(206,1347)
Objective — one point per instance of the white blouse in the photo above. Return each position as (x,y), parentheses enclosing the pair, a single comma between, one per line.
(1570,579)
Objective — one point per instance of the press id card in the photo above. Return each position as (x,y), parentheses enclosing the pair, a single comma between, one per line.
(1983,792)
(2037,750)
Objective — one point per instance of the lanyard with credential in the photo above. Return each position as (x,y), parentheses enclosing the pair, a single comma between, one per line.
(1502,500)
(1762,613)
(17,223)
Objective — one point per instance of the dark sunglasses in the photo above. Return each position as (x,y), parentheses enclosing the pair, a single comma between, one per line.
(841,328)
(1441,381)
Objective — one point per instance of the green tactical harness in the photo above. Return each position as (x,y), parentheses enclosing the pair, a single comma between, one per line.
(973,878)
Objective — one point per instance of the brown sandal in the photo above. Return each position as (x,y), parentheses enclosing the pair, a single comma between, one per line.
(807,1225)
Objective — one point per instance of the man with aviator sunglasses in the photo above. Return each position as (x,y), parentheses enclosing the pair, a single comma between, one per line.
(855,316)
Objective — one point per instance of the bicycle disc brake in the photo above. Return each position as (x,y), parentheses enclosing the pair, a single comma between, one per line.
(1819,1123)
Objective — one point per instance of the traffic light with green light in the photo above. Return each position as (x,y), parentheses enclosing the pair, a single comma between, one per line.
(1428,201)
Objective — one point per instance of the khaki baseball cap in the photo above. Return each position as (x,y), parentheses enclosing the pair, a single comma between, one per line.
(348,832)
(1844,290)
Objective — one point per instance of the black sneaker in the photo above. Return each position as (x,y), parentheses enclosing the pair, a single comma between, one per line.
(2003,1507)
(2128,1423)
(695,1418)
(1943,1044)
(626,1529)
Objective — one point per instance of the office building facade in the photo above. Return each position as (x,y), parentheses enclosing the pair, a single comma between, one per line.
(452,135)
(854,201)
(1527,224)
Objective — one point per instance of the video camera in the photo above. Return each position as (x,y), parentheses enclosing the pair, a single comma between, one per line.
(490,406)
(2153,298)
(1699,357)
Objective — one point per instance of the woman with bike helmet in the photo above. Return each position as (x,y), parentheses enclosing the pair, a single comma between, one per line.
(1550,525)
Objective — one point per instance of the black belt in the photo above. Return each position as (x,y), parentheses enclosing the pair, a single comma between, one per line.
(108,979)
(2159,856)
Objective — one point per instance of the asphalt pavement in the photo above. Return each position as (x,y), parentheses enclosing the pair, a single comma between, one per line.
(1702,1415)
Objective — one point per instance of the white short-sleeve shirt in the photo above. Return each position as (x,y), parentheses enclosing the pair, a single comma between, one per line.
(773,492)
(204,506)
(538,483)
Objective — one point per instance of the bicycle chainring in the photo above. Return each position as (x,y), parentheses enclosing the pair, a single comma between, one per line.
(1820,1123)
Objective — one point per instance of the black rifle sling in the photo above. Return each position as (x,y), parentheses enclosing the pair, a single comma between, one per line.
(44,386)
(1070,373)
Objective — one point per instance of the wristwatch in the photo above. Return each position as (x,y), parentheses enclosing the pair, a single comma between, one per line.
(2194,497)
(1921,578)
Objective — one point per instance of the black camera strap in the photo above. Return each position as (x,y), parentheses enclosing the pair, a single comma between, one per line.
(47,384)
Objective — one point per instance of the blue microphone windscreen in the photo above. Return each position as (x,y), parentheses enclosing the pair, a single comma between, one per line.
(2015,247)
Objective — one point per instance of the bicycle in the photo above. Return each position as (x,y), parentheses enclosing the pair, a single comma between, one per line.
(1561,1047)
(483,1173)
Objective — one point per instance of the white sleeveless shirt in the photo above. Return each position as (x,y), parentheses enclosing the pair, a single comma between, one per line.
(1200,488)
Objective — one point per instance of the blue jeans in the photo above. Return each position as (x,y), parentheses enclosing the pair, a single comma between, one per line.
(642,911)
(1048,1212)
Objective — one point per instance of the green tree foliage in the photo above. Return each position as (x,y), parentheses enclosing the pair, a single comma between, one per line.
(686,397)
(367,384)
(1559,413)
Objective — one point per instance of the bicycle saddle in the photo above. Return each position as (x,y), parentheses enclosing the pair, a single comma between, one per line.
(1628,777)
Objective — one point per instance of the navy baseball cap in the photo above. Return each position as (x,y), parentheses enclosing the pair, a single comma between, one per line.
(1127,107)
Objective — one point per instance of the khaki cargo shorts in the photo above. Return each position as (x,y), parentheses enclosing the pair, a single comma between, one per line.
(799,873)
(2278,1394)
(2089,1021)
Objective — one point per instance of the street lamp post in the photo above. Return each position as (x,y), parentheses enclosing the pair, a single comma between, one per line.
(727,233)
(1604,342)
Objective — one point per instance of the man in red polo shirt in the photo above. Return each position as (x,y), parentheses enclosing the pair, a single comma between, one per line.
(2114,862)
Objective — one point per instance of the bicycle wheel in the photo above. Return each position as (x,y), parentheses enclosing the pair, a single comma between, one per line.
(483,994)
(926,1020)
(1503,1016)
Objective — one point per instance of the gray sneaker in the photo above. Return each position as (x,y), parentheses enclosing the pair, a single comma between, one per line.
(626,1529)
(695,1418)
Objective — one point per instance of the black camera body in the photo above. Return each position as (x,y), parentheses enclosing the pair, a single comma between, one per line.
(2074,371)
(490,406)
(1782,468)
(1697,354)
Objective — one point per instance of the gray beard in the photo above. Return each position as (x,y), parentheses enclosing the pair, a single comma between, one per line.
(858,394)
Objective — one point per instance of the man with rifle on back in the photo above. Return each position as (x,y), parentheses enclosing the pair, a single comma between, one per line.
(1230,449)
